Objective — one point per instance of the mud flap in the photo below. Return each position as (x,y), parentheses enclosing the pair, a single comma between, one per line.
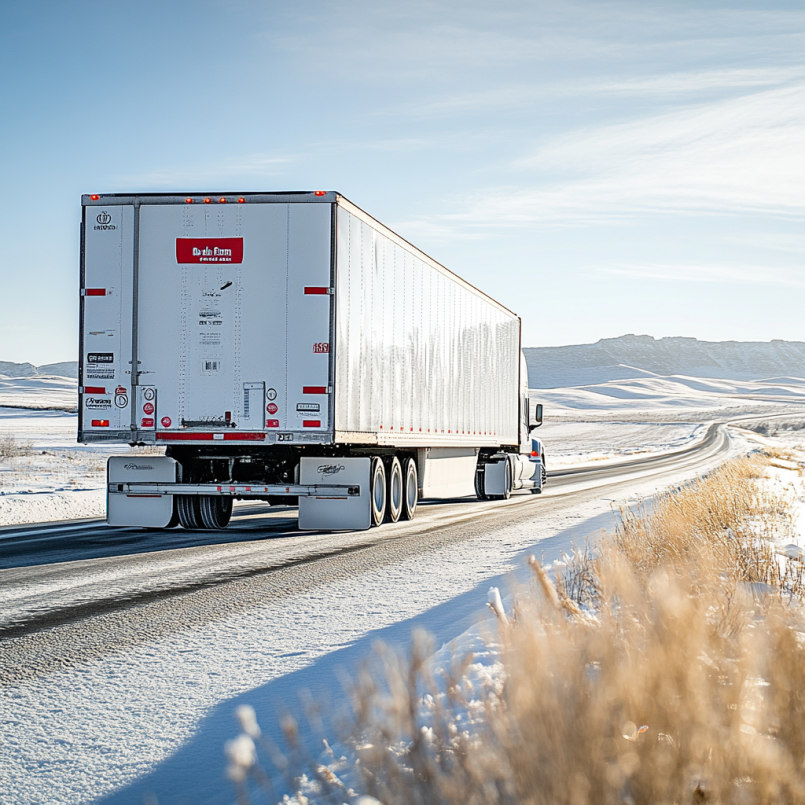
(146,511)
(495,478)
(350,513)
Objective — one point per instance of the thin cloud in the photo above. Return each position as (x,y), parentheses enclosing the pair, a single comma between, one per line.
(256,165)
(729,274)
(730,156)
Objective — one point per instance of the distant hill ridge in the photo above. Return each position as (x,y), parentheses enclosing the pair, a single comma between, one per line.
(630,356)
(63,369)
(627,356)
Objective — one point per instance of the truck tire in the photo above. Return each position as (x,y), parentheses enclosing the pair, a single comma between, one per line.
(394,491)
(377,491)
(216,511)
(188,508)
(479,484)
(410,489)
(507,482)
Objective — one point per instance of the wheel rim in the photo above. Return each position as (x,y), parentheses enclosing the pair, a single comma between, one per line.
(378,492)
(395,492)
(411,490)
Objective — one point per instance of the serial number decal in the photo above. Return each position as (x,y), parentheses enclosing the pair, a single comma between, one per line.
(101,357)
(308,408)
(285,437)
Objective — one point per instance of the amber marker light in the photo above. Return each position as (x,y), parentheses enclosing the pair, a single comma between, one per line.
(207,200)
(188,201)
(222,200)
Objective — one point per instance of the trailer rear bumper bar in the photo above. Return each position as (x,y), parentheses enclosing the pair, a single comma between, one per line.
(322,491)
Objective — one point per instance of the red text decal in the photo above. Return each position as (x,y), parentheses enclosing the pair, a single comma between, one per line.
(209,250)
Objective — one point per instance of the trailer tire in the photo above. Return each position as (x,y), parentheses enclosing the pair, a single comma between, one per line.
(410,489)
(216,511)
(507,482)
(189,511)
(479,484)
(377,491)
(395,491)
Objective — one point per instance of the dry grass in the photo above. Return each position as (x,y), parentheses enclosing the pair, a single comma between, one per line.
(11,447)
(669,667)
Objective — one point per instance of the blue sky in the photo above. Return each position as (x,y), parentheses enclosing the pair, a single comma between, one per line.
(600,168)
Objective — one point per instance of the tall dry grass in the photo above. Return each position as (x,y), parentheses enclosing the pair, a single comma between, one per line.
(668,667)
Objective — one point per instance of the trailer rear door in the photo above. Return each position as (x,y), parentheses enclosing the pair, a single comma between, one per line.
(234,318)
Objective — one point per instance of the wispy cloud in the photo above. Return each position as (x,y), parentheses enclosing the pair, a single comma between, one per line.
(256,165)
(730,156)
(761,274)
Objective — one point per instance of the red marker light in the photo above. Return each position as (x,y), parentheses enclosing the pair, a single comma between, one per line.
(241,200)
(534,453)
(319,193)
(100,423)
(94,197)
(188,201)
(222,201)
(207,200)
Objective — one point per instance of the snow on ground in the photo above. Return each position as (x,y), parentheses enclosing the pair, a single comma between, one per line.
(57,479)
(154,718)
(39,391)
(52,478)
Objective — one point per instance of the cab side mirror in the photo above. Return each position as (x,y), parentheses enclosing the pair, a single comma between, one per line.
(537,420)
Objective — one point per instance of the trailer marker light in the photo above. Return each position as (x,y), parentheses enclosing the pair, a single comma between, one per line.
(311,423)
(314,389)
(188,201)
(319,193)
(94,390)
(222,200)
(100,423)
(207,201)
(241,200)
(94,197)
(316,290)
(95,292)
(534,453)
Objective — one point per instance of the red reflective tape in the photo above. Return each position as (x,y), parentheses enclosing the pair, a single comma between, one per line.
(100,423)
(243,437)
(316,290)
(95,292)
(311,423)
(314,389)
(185,437)
(94,390)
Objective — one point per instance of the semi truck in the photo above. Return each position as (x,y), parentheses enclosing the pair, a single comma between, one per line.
(289,348)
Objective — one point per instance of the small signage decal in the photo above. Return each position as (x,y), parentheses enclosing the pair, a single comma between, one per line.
(166,421)
(322,348)
(101,357)
(209,250)
(272,408)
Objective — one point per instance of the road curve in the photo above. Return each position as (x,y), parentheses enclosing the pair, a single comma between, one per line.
(64,573)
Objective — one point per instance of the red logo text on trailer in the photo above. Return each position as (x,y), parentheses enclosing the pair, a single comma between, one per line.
(209,250)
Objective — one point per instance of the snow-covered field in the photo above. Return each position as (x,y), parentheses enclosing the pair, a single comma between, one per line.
(56,479)
(153,716)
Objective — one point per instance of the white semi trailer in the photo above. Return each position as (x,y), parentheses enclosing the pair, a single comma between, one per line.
(288,347)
